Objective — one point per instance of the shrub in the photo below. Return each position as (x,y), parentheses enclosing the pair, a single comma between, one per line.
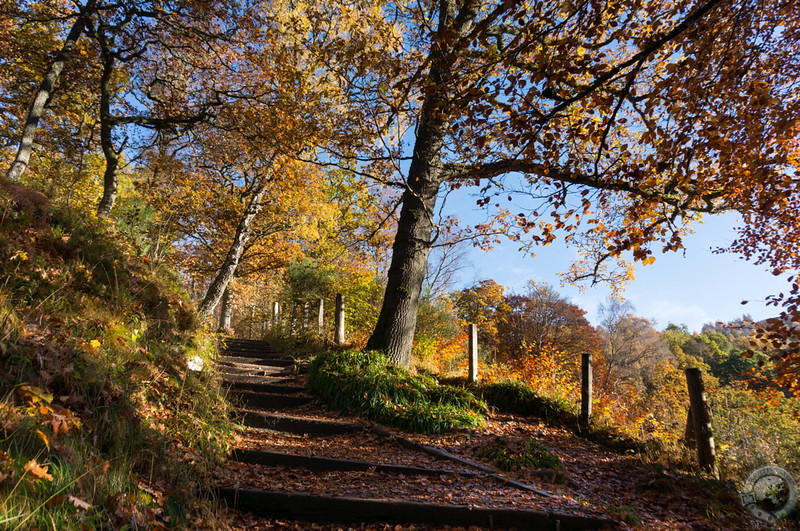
(510,455)
(365,383)
(516,397)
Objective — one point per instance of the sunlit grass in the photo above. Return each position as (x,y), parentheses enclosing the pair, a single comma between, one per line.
(365,383)
(102,422)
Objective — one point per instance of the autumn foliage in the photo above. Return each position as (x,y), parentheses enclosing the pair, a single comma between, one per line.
(278,153)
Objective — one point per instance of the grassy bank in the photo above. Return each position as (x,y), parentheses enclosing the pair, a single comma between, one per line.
(110,415)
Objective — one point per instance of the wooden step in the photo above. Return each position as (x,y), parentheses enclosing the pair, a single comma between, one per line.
(249,342)
(258,387)
(265,458)
(327,509)
(269,400)
(298,425)
(276,378)
(236,351)
(262,374)
(255,361)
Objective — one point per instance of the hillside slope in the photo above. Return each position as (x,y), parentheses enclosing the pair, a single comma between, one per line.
(110,415)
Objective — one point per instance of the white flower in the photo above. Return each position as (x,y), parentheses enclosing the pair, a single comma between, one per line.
(195,363)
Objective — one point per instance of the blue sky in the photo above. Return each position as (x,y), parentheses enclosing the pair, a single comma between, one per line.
(692,288)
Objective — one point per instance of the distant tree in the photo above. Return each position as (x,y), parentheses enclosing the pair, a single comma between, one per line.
(678,340)
(479,305)
(541,318)
(632,348)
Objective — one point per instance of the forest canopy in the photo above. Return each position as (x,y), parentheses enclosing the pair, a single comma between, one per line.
(235,139)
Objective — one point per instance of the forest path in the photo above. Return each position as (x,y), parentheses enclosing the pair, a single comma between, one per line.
(298,466)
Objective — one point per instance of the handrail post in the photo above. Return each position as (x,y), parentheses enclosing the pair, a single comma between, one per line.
(473,353)
(339,320)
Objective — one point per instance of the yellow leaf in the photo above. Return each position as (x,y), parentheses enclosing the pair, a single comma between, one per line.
(649,260)
(34,394)
(95,344)
(44,438)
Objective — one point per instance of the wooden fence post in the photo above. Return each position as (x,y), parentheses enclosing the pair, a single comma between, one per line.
(276,315)
(586,388)
(321,317)
(701,421)
(338,337)
(473,353)
(293,320)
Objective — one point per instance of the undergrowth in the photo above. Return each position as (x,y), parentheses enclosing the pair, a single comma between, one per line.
(516,397)
(513,396)
(102,423)
(507,454)
(365,383)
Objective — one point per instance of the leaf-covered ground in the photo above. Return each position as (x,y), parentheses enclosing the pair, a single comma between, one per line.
(590,480)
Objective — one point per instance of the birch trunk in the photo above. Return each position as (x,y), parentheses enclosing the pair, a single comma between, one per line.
(226,311)
(42,96)
(110,176)
(231,262)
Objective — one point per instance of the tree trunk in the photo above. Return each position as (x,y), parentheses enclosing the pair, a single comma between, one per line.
(42,96)
(226,310)
(231,262)
(394,330)
(110,176)
(397,321)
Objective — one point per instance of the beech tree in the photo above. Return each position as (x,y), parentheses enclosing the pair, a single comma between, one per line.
(152,58)
(283,98)
(619,122)
(160,67)
(632,348)
(229,206)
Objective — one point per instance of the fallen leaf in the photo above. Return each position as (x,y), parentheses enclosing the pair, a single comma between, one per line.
(44,438)
(34,394)
(37,471)
(78,503)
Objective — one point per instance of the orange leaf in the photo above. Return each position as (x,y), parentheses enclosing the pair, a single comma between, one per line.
(37,471)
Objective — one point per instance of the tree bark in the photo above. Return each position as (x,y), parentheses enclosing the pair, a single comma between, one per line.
(394,330)
(110,176)
(20,164)
(226,310)
(231,262)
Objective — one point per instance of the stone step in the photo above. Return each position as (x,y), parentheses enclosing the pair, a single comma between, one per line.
(328,509)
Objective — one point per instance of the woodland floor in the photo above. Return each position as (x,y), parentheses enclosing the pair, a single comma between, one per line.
(595,482)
